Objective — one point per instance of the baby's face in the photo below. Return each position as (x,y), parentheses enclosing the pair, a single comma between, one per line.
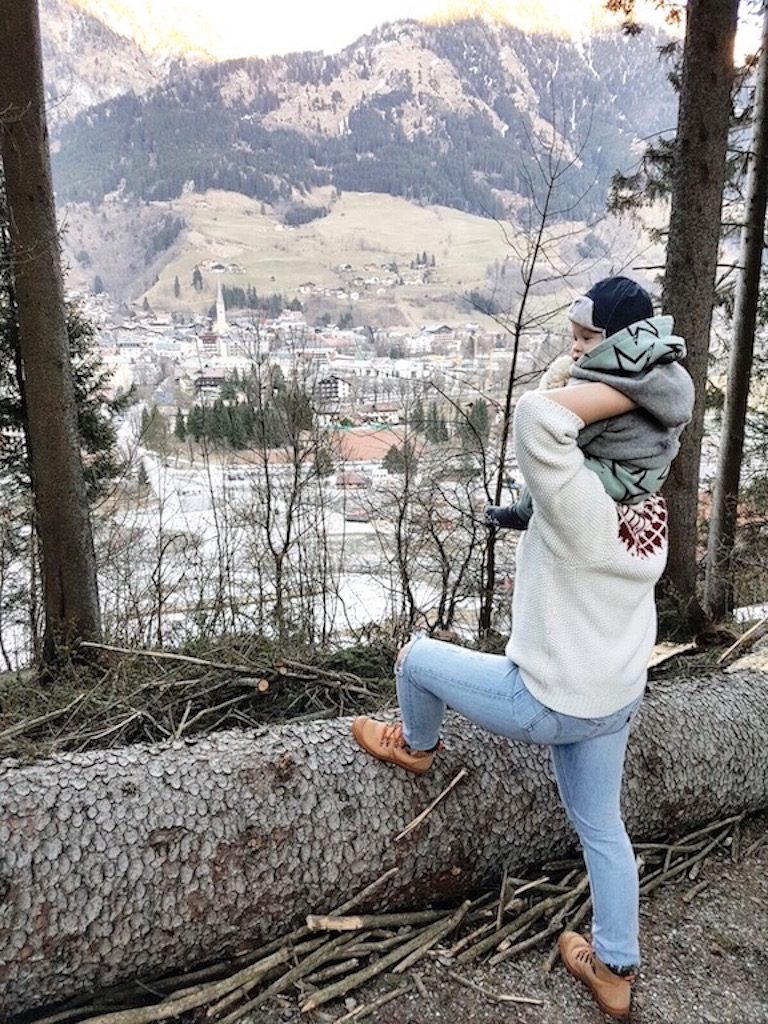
(583,340)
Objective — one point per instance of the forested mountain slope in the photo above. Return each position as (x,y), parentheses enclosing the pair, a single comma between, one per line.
(439,114)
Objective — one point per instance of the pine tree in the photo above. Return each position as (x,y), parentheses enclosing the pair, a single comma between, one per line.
(229,389)
(220,425)
(195,423)
(418,421)
(197,279)
(237,436)
(154,429)
(394,461)
(691,266)
(245,413)
(479,419)
(720,582)
(41,340)
(180,430)
(176,287)
(432,427)
(323,462)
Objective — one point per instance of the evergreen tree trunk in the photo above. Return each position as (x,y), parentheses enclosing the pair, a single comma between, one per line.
(69,567)
(722,525)
(142,860)
(689,280)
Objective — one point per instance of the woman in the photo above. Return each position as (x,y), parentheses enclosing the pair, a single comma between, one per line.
(574,670)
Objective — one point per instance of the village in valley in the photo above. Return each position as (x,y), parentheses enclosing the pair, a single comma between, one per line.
(360,381)
(324,490)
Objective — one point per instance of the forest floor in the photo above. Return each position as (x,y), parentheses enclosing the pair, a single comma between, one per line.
(705,961)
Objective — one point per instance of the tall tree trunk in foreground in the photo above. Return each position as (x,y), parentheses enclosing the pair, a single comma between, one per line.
(722,525)
(136,861)
(689,279)
(71,596)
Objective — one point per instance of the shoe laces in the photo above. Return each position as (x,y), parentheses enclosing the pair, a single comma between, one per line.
(586,957)
(392,736)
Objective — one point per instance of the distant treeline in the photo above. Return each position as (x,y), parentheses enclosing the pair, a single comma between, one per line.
(164,236)
(298,214)
(252,410)
(272,305)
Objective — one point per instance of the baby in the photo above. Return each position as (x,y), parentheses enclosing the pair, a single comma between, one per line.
(618,341)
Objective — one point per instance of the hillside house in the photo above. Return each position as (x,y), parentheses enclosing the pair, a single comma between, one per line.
(332,389)
(208,343)
(350,479)
(210,380)
(382,412)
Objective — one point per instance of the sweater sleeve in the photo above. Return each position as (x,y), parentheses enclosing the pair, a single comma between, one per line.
(566,495)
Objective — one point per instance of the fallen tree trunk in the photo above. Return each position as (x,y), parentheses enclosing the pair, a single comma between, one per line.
(130,862)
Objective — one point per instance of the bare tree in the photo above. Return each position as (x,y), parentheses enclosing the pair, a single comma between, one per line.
(549,223)
(285,519)
(69,568)
(689,280)
(722,525)
(430,537)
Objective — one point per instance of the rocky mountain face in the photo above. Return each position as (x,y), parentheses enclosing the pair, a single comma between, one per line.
(86,63)
(458,115)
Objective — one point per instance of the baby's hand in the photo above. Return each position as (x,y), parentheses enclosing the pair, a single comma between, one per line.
(491,516)
(557,374)
(509,516)
(505,517)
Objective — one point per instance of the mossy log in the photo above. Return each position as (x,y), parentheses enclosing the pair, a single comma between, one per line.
(130,862)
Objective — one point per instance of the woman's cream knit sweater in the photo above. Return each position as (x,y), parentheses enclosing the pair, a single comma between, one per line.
(584,614)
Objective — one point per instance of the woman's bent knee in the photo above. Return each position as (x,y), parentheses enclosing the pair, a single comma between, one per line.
(402,654)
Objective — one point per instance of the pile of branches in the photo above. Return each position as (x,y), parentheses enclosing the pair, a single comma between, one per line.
(123,696)
(115,696)
(335,955)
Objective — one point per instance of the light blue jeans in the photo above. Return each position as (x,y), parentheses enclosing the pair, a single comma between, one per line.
(587,753)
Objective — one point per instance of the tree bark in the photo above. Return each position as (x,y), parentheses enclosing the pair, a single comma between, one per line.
(722,524)
(133,862)
(71,596)
(689,279)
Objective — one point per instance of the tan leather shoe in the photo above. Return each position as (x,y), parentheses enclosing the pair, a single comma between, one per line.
(612,992)
(385,741)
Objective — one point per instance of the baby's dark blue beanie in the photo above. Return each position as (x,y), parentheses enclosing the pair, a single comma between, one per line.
(611,305)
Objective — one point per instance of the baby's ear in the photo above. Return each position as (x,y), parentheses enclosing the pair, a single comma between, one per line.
(557,374)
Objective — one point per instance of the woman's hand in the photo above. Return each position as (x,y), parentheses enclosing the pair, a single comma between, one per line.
(592,402)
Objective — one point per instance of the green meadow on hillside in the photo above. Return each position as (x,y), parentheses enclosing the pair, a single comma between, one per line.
(364,232)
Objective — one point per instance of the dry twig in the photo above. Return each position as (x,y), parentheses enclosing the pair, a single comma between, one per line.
(745,641)
(364,1011)
(378,967)
(496,997)
(335,923)
(428,810)
(22,727)
(168,656)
